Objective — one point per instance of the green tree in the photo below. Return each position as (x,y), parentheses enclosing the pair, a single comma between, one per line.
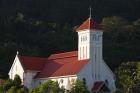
(137,22)
(22,90)
(49,87)
(1,89)
(17,81)
(35,90)
(115,27)
(113,23)
(137,27)
(13,89)
(79,87)
(14,86)
(8,84)
(127,76)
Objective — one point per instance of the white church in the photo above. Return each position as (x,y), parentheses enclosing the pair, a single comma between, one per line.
(86,64)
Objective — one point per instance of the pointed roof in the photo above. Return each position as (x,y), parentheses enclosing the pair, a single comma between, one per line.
(60,64)
(32,63)
(88,24)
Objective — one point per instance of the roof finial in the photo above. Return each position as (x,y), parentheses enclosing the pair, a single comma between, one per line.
(17,52)
(90,10)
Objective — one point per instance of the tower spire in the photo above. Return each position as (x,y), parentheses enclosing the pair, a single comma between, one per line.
(90,11)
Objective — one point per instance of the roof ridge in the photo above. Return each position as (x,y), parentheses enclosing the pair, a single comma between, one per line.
(63,55)
(32,57)
(66,52)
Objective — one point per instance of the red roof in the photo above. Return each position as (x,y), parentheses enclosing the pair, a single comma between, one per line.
(64,55)
(61,64)
(57,68)
(88,24)
(32,63)
(97,86)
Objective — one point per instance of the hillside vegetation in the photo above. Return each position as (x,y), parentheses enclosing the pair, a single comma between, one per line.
(40,28)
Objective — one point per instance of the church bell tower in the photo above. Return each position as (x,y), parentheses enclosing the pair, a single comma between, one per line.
(89,40)
(90,44)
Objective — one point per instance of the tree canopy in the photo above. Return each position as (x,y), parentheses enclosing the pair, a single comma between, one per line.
(128,77)
(79,87)
(13,86)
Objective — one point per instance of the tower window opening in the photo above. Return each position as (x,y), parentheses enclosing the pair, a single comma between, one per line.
(61,81)
(83,53)
(86,51)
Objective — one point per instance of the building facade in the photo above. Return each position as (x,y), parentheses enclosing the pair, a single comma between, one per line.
(85,64)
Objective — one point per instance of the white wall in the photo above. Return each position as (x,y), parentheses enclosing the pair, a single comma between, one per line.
(96,52)
(26,76)
(108,75)
(91,48)
(16,69)
(29,81)
(83,44)
(96,69)
(67,81)
(105,74)
(87,73)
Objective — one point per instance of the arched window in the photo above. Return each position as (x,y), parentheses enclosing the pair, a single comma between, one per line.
(106,82)
(80,52)
(61,81)
(84,81)
(86,52)
(39,82)
(95,75)
(83,53)
(94,37)
(62,87)
(85,38)
(72,80)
